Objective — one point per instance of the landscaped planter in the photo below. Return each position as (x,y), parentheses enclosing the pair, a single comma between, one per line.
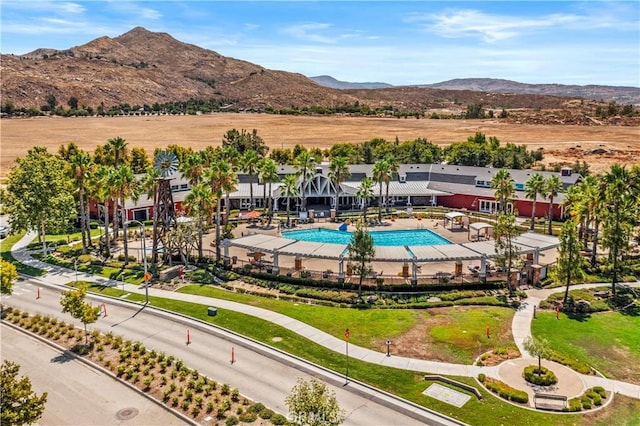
(541,377)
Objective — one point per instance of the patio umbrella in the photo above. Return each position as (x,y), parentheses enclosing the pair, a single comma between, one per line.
(253,214)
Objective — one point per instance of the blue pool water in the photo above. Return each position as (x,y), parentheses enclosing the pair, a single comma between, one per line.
(413,237)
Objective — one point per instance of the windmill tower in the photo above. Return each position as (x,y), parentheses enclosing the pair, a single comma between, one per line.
(164,211)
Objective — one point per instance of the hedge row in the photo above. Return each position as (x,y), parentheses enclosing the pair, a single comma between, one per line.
(503,390)
(402,288)
(591,397)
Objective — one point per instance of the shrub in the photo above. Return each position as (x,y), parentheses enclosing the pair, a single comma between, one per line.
(278,419)
(595,397)
(266,414)
(600,391)
(231,421)
(542,376)
(248,417)
(256,408)
(575,405)
(481,377)
(505,391)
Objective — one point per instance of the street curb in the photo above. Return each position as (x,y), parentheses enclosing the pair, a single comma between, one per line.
(103,370)
(382,397)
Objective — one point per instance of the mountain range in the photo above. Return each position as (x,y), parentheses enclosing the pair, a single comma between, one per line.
(142,67)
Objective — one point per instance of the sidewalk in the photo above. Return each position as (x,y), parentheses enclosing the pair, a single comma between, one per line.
(521,329)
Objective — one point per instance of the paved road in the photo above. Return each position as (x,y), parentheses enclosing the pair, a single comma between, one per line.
(96,398)
(258,376)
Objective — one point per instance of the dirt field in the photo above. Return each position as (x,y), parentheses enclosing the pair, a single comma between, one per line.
(560,142)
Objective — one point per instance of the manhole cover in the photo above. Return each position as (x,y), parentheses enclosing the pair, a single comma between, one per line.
(127,413)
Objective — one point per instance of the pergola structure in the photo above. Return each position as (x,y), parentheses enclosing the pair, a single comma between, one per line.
(456,220)
(527,243)
(481,230)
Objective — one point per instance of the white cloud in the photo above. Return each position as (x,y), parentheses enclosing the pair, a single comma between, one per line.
(48,6)
(492,28)
(310,32)
(134,10)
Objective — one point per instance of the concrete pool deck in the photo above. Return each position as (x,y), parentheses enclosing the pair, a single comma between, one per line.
(389,270)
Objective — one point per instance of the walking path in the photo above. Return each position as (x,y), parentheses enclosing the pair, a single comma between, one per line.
(570,383)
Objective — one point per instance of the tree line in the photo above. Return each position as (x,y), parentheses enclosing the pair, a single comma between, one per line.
(602,210)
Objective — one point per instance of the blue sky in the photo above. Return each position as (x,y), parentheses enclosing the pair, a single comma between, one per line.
(412,42)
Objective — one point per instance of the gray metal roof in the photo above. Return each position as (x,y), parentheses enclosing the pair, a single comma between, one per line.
(528,242)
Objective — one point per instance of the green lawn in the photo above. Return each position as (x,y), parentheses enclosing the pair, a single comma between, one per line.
(407,384)
(369,327)
(459,334)
(5,253)
(454,334)
(608,341)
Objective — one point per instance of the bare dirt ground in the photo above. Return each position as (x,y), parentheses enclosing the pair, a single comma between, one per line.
(560,142)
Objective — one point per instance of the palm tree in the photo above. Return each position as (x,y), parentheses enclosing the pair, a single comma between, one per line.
(381,173)
(619,215)
(193,168)
(269,175)
(569,265)
(305,164)
(393,168)
(338,172)
(118,148)
(553,186)
(101,191)
(200,202)
(502,182)
(81,167)
(232,157)
(249,163)
(221,178)
(533,187)
(126,186)
(289,189)
(365,194)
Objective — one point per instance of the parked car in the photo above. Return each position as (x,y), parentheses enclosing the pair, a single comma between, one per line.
(4,231)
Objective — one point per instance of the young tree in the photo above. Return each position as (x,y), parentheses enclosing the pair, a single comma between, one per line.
(505,231)
(569,266)
(39,194)
(361,253)
(540,348)
(8,276)
(311,403)
(73,302)
(19,404)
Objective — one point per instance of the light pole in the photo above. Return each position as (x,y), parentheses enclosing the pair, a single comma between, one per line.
(75,265)
(388,347)
(144,257)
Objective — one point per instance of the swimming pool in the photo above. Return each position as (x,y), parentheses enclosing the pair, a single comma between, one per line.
(412,237)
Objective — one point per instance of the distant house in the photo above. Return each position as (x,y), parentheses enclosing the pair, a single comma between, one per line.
(458,187)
